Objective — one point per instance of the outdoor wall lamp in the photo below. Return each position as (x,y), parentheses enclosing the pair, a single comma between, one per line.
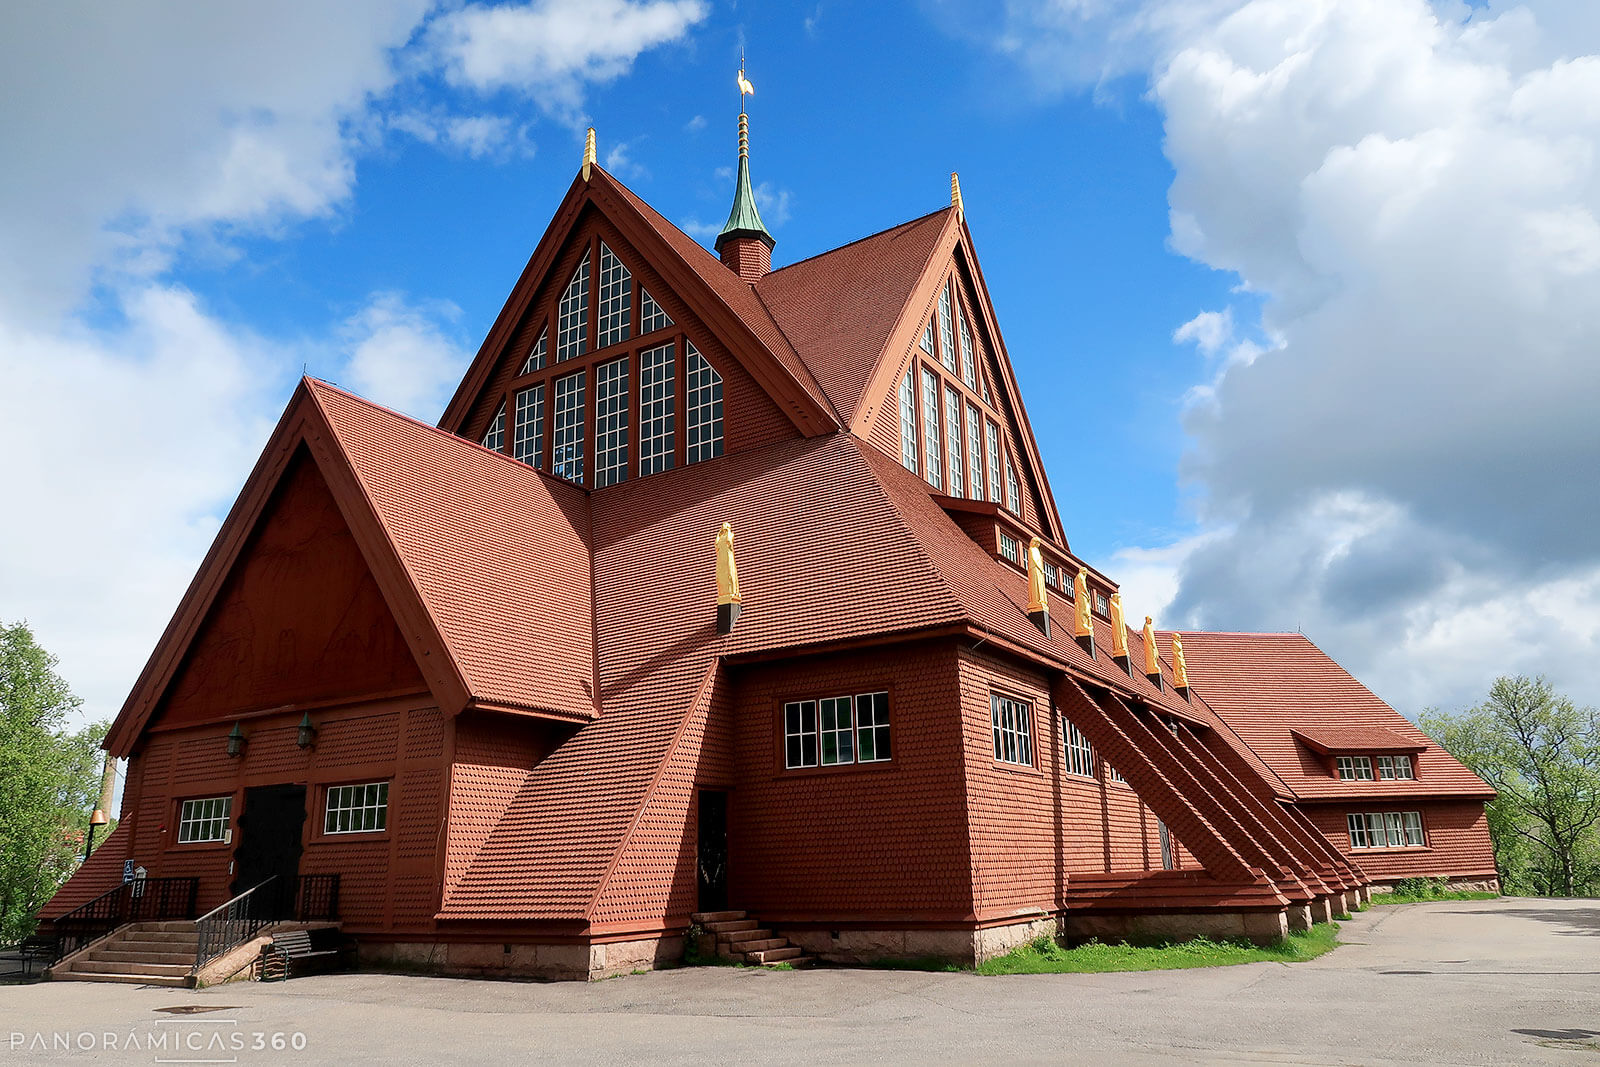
(236,741)
(307,734)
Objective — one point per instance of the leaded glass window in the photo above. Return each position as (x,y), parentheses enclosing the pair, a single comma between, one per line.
(527,439)
(991,441)
(947,345)
(930,427)
(975,451)
(969,367)
(952,437)
(1013,741)
(611,422)
(494,439)
(616,299)
(536,354)
(658,413)
(652,316)
(1013,490)
(572,317)
(705,408)
(908,422)
(567,453)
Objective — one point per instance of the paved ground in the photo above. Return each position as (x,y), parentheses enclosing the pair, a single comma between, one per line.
(1459,983)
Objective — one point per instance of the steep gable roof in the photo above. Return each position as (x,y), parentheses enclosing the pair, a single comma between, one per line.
(1269,686)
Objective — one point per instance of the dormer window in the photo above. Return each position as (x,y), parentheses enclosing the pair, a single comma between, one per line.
(1354,768)
(1102,606)
(572,317)
(1395,768)
(1010,548)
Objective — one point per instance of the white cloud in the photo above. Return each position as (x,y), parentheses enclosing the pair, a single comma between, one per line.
(549,50)
(400,357)
(773,203)
(1209,330)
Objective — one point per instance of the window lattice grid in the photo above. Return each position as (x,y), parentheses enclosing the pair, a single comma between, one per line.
(1010,548)
(658,413)
(1013,489)
(1079,752)
(616,298)
(527,439)
(1357,826)
(705,409)
(838,731)
(927,338)
(930,428)
(1102,606)
(572,315)
(1386,829)
(947,344)
(611,422)
(952,437)
(872,727)
(1413,828)
(1355,768)
(800,734)
(969,367)
(357,809)
(536,354)
(1013,734)
(204,819)
(494,438)
(991,440)
(908,422)
(1114,775)
(1395,767)
(975,451)
(566,453)
(652,316)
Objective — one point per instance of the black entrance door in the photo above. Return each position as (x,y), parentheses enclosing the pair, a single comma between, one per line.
(269,847)
(713,850)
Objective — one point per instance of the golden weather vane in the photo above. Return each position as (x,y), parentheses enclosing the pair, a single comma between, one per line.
(745,88)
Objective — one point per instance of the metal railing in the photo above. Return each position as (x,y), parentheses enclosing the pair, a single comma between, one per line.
(141,900)
(306,898)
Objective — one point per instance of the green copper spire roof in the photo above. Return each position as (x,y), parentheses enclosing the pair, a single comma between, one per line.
(744,220)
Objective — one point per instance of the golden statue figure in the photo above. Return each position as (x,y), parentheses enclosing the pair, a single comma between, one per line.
(1180,673)
(1036,587)
(1152,655)
(727,570)
(1119,627)
(1083,626)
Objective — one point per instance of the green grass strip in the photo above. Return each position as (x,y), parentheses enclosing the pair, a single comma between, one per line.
(1045,956)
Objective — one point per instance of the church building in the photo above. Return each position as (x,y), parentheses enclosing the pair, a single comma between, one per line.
(734,602)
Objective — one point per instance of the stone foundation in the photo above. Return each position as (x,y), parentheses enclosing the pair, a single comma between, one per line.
(1323,908)
(563,962)
(870,946)
(1459,885)
(1262,927)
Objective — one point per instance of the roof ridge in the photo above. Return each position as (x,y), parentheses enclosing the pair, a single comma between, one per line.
(858,240)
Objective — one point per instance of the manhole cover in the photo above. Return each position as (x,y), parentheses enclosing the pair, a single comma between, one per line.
(198,1009)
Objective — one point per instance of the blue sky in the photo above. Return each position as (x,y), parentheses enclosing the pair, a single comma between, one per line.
(1303,294)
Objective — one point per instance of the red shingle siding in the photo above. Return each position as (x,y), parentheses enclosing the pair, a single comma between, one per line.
(493,757)
(884,840)
(1457,835)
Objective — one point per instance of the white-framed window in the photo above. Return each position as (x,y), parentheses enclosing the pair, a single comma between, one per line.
(494,438)
(1395,767)
(1013,732)
(652,316)
(572,315)
(908,421)
(204,819)
(527,439)
(705,408)
(1079,752)
(1013,490)
(836,730)
(975,451)
(1386,829)
(357,809)
(991,441)
(969,369)
(952,437)
(947,344)
(1052,575)
(616,298)
(1114,775)
(567,451)
(611,422)
(927,338)
(1102,606)
(930,428)
(1354,768)
(1010,548)
(535,360)
(658,383)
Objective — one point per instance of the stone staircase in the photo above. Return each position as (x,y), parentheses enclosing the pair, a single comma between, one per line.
(735,936)
(160,953)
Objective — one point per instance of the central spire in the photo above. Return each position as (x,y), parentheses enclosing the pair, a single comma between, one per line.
(744,243)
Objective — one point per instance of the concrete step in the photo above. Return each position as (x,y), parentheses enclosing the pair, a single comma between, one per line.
(173,970)
(738,937)
(169,937)
(169,926)
(774,955)
(731,926)
(763,945)
(116,953)
(148,947)
(703,917)
(124,979)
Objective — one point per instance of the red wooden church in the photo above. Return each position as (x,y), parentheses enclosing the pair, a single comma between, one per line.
(723,587)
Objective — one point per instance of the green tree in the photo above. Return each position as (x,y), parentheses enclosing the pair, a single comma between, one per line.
(1542,753)
(48,780)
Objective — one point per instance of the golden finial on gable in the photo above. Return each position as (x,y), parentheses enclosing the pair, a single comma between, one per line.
(589,158)
(955,196)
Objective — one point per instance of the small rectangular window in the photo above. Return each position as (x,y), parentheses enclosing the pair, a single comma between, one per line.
(611,422)
(1395,767)
(1355,768)
(1010,548)
(1013,734)
(1114,775)
(1102,606)
(1357,825)
(204,820)
(1413,824)
(800,734)
(1013,489)
(1079,752)
(357,809)
(872,727)
(838,731)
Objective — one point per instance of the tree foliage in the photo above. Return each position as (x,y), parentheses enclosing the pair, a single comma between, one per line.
(1542,753)
(49,779)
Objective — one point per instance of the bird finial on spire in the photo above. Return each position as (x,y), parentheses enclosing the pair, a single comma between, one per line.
(744,228)
(588,153)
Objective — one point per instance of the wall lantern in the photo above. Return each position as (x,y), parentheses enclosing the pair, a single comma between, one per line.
(307,734)
(236,741)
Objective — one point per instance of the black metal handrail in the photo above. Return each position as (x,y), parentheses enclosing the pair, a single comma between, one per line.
(141,900)
(308,898)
